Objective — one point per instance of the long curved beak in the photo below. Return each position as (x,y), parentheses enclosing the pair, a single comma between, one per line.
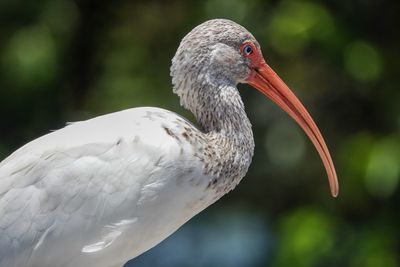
(265,80)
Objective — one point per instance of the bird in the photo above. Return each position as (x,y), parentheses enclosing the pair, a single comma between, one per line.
(103,191)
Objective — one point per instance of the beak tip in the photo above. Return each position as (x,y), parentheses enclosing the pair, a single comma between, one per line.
(335,191)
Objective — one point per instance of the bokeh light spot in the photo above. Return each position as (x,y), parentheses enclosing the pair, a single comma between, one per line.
(306,236)
(382,175)
(375,248)
(363,62)
(29,60)
(296,23)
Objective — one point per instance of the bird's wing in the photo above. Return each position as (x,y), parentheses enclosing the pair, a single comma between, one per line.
(75,191)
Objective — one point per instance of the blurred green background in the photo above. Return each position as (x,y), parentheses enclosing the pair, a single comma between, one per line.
(65,60)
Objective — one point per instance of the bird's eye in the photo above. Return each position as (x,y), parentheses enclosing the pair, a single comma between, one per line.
(247,50)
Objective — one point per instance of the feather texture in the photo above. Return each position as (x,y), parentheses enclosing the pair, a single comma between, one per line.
(98,185)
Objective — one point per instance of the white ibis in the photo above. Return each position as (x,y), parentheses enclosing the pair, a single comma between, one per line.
(102,191)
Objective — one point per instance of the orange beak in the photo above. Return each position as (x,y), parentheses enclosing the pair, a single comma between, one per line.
(265,80)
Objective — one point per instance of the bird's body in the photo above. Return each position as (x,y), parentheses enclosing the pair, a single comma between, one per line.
(102,191)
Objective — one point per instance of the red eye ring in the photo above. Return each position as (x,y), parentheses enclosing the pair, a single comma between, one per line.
(248,49)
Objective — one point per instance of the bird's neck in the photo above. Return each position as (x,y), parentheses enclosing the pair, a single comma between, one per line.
(220,112)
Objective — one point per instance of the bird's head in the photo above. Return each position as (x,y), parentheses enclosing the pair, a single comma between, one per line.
(220,53)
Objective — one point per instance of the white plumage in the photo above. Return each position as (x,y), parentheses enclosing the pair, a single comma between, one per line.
(111,180)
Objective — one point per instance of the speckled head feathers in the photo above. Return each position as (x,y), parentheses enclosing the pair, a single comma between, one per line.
(213,32)
(209,59)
